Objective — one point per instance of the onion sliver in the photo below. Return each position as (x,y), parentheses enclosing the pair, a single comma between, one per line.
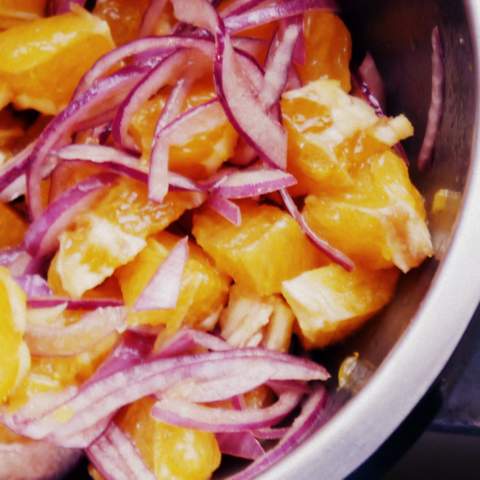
(206,116)
(116,458)
(185,414)
(33,285)
(436,104)
(41,238)
(111,390)
(163,288)
(254,181)
(272,13)
(78,337)
(107,92)
(151,16)
(243,108)
(82,304)
(332,253)
(15,167)
(121,162)
(302,427)
(278,64)
(240,445)
(370,76)
(225,208)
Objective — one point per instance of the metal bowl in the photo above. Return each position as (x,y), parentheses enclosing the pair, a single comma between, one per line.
(408,345)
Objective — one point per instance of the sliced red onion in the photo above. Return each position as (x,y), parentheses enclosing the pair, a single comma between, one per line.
(216,390)
(15,190)
(42,237)
(436,105)
(167,43)
(270,433)
(277,11)
(198,119)
(240,6)
(184,341)
(64,6)
(370,76)
(120,162)
(185,414)
(278,64)
(82,304)
(106,392)
(243,108)
(88,436)
(163,288)
(15,259)
(240,445)
(15,167)
(33,285)
(151,16)
(254,181)
(303,426)
(78,337)
(116,458)
(196,12)
(332,253)
(225,208)
(107,92)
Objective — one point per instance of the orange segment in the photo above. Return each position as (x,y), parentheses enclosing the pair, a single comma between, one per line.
(203,292)
(331,134)
(330,303)
(54,374)
(266,249)
(379,223)
(113,233)
(14,354)
(204,153)
(170,452)
(328,49)
(14,12)
(35,55)
(12,227)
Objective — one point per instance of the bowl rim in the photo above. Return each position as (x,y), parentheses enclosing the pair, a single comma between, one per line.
(413,364)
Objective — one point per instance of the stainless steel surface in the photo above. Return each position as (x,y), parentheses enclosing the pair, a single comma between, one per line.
(411,342)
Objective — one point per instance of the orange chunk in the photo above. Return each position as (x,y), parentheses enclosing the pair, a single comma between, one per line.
(203,291)
(14,12)
(266,249)
(113,233)
(330,303)
(328,49)
(14,354)
(35,55)
(12,227)
(54,374)
(379,223)
(203,154)
(170,452)
(331,134)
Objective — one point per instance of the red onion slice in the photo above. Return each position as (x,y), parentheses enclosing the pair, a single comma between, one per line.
(332,253)
(302,427)
(189,415)
(436,105)
(270,433)
(254,181)
(41,238)
(15,167)
(243,108)
(163,289)
(151,16)
(108,91)
(105,393)
(165,73)
(240,445)
(370,76)
(184,341)
(76,338)
(207,116)
(278,64)
(82,304)
(116,458)
(196,12)
(277,11)
(225,208)
(240,6)
(16,260)
(120,162)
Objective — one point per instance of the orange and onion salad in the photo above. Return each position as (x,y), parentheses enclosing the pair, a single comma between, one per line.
(186,186)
